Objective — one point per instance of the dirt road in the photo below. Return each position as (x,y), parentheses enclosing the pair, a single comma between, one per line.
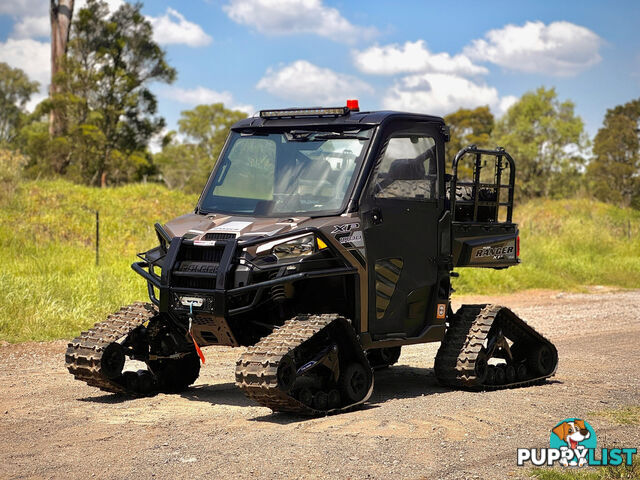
(54,427)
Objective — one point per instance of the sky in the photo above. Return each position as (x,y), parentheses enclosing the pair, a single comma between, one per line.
(420,56)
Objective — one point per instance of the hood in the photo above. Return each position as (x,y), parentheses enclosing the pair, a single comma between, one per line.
(198,226)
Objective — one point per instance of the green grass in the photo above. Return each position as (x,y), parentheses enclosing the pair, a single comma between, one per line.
(629,415)
(50,287)
(620,472)
(566,245)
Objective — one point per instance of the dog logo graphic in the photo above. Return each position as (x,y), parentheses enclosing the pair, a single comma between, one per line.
(576,435)
(572,443)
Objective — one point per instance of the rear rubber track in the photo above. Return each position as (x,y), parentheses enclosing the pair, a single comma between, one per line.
(468,330)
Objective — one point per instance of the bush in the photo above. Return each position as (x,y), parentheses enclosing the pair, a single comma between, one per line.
(11,166)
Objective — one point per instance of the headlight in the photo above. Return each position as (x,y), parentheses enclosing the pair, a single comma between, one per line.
(297,247)
(291,248)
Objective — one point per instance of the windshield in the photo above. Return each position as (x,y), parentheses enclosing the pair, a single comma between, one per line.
(293,172)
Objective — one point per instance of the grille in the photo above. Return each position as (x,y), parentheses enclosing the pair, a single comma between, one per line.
(196,259)
(200,254)
(219,236)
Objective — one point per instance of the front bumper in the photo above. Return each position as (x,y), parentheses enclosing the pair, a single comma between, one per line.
(228,278)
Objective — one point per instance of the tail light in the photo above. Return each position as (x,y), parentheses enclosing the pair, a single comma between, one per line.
(518,246)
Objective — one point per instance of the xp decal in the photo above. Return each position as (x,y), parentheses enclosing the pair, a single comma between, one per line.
(349,234)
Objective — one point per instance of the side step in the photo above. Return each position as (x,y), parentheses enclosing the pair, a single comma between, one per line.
(479,333)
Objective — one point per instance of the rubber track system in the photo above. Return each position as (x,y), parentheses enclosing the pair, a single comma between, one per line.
(84,353)
(257,368)
(455,363)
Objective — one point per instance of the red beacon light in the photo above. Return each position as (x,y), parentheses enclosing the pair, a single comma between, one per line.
(353,105)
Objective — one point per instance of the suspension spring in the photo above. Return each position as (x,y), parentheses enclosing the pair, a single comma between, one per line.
(278,294)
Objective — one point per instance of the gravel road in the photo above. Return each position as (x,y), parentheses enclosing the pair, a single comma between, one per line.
(54,427)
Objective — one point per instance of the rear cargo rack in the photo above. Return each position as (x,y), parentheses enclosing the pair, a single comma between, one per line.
(486,198)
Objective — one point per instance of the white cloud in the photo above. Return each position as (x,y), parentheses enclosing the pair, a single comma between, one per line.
(440,94)
(155,144)
(32,21)
(112,4)
(560,48)
(32,16)
(19,8)
(196,96)
(36,98)
(246,108)
(302,81)
(22,50)
(412,57)
(202,96)
(286,17)
(32,56)
(173,28)
(30,27)
(506,103)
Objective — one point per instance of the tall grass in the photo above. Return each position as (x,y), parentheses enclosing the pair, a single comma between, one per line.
(566,244)
(51,288)
(618,472)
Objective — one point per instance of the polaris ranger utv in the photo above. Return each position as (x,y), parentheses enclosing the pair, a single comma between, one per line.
(324,241)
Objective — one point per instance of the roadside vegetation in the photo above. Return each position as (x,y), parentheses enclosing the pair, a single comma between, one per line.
(619,472)
(566,245)
(629,415)
(52,287)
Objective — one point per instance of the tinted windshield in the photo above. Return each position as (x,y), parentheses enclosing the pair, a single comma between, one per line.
(294,172)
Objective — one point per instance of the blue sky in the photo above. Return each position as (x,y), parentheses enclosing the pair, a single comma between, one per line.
(423,56)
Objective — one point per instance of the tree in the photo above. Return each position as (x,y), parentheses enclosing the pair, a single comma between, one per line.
(15,91)
(208,126)
(60,14)
(187,165)
(614,173)
(105,107)
(469,127)
(180,166)
(547,140)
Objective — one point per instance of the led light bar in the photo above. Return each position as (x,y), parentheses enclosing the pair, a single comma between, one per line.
(304,112)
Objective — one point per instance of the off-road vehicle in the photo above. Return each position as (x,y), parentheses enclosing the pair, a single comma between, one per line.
(324,240)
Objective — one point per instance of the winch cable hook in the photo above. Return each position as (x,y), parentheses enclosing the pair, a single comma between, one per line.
(200,354)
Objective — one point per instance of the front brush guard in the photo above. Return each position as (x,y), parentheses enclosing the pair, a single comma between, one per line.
(223,274)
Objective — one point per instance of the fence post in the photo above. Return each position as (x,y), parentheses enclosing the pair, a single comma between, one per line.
(97,237)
